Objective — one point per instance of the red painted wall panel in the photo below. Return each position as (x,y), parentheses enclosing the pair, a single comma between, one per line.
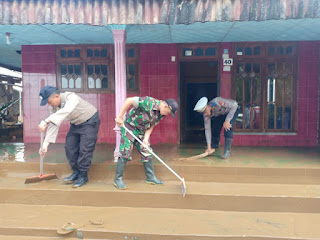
(158,79)
(225,82)
(39,71)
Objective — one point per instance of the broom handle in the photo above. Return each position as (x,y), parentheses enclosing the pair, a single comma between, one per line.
(180,178)
(41,157)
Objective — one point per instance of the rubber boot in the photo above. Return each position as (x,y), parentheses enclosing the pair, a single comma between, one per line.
(118,183)
(215,142)
(227,148)
(149,170)
(82,179)
(74,176)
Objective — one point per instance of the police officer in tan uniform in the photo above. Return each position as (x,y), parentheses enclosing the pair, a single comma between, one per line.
(218,113)
(83,133)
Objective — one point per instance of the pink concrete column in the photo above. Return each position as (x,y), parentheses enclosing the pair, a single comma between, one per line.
(119,37)
(225,83)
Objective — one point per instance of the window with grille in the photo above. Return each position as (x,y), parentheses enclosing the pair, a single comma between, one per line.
(132,68)
(265,82)
(85,68)
(198,51)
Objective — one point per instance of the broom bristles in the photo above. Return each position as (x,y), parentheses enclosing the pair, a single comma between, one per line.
(40,178)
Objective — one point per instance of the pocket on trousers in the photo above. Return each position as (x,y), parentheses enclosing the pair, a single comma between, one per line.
(91,136)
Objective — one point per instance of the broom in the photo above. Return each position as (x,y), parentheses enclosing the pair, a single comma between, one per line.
(42,176)
(183,183)
(202,155)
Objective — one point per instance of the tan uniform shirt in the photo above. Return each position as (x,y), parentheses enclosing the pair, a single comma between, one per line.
(73,109)
(223,107)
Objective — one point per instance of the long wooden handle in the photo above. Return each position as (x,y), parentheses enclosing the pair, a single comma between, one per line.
(202,155)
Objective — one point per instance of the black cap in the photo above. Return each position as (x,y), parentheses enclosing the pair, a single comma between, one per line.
(45,93)
(173,105)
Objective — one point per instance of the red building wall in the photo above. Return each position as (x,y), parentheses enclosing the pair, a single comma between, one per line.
(158,78)
(39,69)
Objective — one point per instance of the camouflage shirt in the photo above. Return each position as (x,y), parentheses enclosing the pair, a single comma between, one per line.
(145,114)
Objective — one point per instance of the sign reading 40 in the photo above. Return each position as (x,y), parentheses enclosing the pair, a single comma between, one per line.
(228,61)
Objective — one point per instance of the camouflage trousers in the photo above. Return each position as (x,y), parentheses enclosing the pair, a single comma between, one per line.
(126,145)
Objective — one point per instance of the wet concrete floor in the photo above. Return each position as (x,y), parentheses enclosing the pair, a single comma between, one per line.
(27,208)
(282,157)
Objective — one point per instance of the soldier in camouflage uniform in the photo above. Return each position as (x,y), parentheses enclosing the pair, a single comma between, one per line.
(146,113)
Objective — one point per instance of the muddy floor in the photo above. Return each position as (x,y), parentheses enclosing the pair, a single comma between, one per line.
(258,192)
(240,156)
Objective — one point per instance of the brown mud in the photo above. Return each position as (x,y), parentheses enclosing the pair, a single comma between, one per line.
(258,193)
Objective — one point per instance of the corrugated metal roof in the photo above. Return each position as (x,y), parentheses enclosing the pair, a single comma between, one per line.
(106,12)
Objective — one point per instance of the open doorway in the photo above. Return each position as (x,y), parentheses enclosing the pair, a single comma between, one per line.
(198,79)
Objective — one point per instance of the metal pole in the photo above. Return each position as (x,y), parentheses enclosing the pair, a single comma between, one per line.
(180,178)
(41,156)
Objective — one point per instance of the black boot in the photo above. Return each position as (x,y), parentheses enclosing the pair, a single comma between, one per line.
(215,142)
(118,183)
(149,170)
(227,148)
(74,176)
(82,179)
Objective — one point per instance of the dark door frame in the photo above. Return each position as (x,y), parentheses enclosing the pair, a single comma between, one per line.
(205,58)
(180,85)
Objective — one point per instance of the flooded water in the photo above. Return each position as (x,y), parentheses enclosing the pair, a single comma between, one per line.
(20,152)
(241,156)
(12,152)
